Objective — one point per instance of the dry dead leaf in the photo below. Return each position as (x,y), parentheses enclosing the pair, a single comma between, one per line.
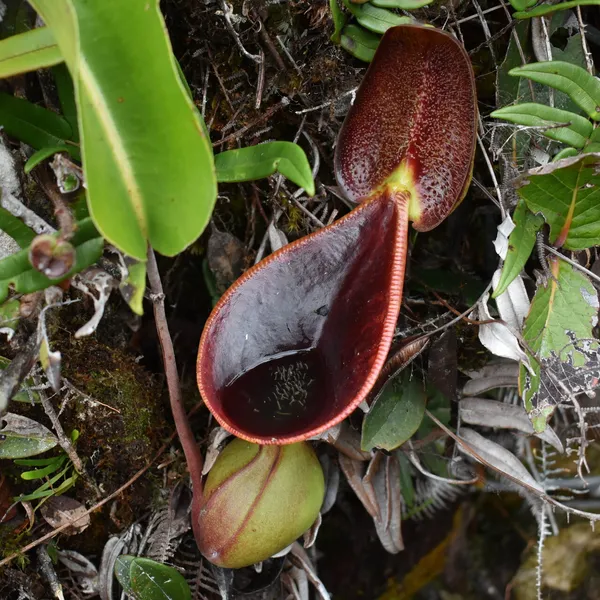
(60,510)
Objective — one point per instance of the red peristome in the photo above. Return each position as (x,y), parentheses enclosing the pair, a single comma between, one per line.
(415,110)
(336,294)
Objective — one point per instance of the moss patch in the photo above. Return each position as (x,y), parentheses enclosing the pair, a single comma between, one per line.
(118,443)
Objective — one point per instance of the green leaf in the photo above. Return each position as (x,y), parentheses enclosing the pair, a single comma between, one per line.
(44,471)
(41,155)
(403,4)
(9,319)
(546,9)
(594,145)
(522,4)
(147,161)
(28,51)
(16,270)
(513,90)
(565,153)
(359,42)
(22,437)
(256,162)
(561,312)
(34,125)
(576,82)
(13,226)
(378,20)
(47,488)
(66,485)
(339,20)
(38,462)
(532,114)
(395,415)
(567,193)
(520,245)
(145,579)
(66,95)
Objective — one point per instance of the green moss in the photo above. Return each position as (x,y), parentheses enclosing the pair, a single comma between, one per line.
(121,434)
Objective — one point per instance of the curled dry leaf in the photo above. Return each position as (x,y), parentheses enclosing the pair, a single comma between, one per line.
(496,374)
(300,559)
(501,242)
(513,304)
(354,471)
(60,510)
(346,441)
(383,479)
(497,337)
(498,457)
(51,363)
(332,482)
(82,569)
(379,492)
(98,285)
(216,443)
(491,413)
(114,547)
(310,536)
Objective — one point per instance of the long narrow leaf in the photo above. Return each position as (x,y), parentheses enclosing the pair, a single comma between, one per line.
(147,161)
(403,4)
(546,9)
(576,132)
(28,51)
(42,472)
(577,83)
(33,124)
(66,95)
(14,227)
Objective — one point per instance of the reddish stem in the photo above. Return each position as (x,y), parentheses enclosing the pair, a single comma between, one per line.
(193,456)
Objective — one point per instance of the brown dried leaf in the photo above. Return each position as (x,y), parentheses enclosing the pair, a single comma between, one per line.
(60,510)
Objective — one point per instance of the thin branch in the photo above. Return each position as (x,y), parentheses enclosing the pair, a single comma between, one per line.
(589,62)
(227,12)
(191,450)
(63,440)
